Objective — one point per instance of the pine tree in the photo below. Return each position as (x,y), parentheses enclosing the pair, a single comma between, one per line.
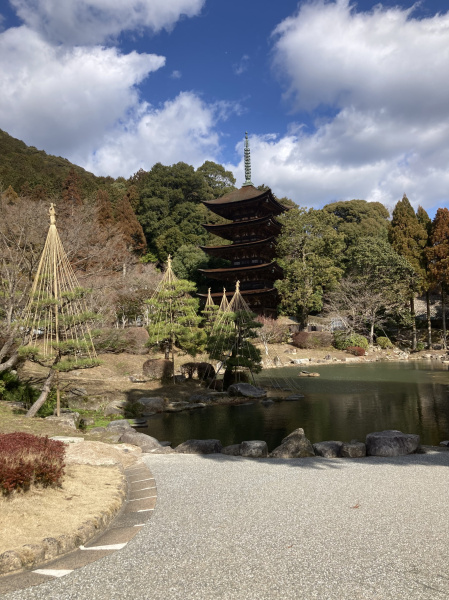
(408,237)
(438,255)
(210,314)
(56,317)
(230,341)
(173,318)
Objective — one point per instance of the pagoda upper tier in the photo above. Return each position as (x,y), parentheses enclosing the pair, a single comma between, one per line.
(246,203)
(247,230)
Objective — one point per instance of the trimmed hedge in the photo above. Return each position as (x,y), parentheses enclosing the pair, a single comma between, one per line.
(384,343)
(27,460)
(342,341)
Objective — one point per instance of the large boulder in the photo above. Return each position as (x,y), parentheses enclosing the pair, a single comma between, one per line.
(145,442)
(67,419)
(354,449)
(254,449)
(152,405)
(203,398)
(391,443)
(330,449)
(158,368)
(119,423)
(295,445)
(199,447)
(247,390)
(232,450)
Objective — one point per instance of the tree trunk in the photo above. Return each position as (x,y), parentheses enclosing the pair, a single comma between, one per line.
(443,309)
(371,333)
(412,314)
(44,394)
(10,363)
(429,322)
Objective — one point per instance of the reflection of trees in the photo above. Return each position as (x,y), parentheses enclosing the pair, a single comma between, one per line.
(327,411)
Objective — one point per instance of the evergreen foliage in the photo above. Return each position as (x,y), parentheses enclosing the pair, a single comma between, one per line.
(230,343)
(310,252)
(358,219)
(173,318)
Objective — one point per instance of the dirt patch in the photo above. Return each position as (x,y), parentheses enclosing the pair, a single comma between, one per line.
(101,454)
(86,492)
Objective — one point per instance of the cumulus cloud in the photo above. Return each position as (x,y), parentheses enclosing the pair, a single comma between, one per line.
(382,76)
(64,99)
(87,22)
(82,101)
(182,129)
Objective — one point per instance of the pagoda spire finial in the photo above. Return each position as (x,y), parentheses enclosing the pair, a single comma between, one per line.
(247,158)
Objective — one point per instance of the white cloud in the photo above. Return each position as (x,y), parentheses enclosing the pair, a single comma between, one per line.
(81,22)
(182,129)
(63,99)
(383,74)
(176,74)
(240,67)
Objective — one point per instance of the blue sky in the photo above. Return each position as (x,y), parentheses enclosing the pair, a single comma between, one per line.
(340,99)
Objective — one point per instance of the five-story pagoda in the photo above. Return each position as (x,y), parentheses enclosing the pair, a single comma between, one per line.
(252,229)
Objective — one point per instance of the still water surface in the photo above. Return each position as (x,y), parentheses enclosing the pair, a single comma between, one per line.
(346,402)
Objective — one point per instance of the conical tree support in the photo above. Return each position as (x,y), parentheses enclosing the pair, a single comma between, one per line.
(172,315)
(56,314)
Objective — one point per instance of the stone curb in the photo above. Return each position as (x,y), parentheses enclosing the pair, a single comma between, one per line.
(34,555)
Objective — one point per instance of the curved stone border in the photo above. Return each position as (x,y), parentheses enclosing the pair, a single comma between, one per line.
(109,531)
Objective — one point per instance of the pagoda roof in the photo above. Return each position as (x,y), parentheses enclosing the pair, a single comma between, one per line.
(247,195)
(218,250)
(228,230)
(230,273)
(261,291)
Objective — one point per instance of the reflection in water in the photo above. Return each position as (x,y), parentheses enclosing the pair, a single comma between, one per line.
(346,402)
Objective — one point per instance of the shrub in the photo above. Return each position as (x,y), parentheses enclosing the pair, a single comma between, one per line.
(309,340)
(384,343)
(27,460)
(188,369)
(14,390)
(342,340)
(356,350)
(203,370)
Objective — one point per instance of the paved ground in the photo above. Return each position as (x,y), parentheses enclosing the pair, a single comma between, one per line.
(239,529)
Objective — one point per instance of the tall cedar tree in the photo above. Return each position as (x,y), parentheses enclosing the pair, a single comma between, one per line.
(71,195)
(438,255)
(426,222)
(104,210)
(408,237)
(130,226)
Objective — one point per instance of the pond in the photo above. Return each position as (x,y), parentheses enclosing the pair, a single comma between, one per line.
(347,401)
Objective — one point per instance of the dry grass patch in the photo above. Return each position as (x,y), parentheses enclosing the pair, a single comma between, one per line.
(86,491)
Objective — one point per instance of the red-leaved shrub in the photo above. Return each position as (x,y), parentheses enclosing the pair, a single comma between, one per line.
(27,460)
(356,350)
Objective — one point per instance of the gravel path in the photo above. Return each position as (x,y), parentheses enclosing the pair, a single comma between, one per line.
(240,529)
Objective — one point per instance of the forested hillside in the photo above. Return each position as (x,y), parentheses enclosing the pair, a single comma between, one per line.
(351,261)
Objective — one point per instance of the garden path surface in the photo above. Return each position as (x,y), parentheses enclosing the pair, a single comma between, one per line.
(234,528)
